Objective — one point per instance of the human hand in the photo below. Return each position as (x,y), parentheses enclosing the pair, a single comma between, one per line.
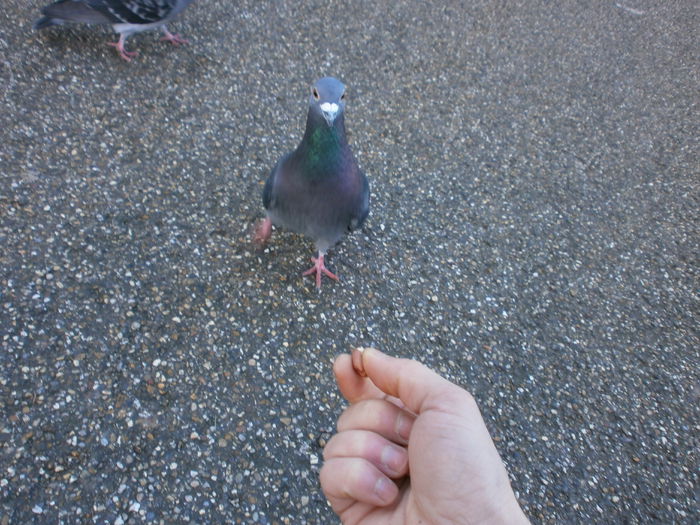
(411,448)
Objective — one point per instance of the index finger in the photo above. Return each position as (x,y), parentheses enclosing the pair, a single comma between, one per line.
(355,387)
(414,384)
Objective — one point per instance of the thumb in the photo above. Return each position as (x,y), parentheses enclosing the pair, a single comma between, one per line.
(416,385)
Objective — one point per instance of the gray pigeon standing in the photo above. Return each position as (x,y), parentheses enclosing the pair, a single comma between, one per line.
(318,189)
(126,17)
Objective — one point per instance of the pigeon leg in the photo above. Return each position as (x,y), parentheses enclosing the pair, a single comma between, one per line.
(173,38)
(319,268)
(263,231)
(126,55)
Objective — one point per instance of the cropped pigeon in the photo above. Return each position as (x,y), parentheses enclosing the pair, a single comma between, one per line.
(318,189)
(126,17)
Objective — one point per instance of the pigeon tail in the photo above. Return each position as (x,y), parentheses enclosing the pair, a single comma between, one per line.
(69,11)
(46,21)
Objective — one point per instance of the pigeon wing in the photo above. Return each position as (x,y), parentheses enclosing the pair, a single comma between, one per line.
(134,11)
(75,11)
(360,213)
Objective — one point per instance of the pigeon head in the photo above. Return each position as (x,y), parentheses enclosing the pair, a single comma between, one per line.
(327,99)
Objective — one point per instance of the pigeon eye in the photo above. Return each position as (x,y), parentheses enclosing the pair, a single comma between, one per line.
(315,94)
(342,97)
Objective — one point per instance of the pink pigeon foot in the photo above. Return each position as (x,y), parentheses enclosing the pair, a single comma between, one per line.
(174,39)
(319,268)
(126,55)
(263,231)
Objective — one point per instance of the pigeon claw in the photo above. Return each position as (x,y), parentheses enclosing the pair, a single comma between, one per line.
(174,39)
(126,55)
(263,231)
(319,268)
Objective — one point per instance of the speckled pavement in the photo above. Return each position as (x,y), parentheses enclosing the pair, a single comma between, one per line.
(533,236)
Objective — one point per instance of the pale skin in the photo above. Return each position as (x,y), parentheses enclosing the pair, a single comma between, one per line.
(411,448)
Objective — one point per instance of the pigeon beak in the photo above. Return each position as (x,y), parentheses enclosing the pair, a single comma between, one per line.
(329,110)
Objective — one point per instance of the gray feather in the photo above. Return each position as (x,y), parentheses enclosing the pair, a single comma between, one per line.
(71,11)
(318,190)
(132,12)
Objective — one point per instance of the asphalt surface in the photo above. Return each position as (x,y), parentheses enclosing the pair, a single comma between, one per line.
(533,236)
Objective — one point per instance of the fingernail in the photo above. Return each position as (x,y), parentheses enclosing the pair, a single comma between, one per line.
(385,490)
(393,458)
(357,364)
(403,426)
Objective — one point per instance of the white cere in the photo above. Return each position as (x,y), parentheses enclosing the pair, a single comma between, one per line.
(328,107)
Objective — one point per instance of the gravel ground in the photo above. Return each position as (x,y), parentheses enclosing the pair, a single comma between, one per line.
(533,236)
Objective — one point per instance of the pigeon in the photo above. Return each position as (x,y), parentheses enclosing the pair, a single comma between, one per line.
(126,17)
(318,189)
